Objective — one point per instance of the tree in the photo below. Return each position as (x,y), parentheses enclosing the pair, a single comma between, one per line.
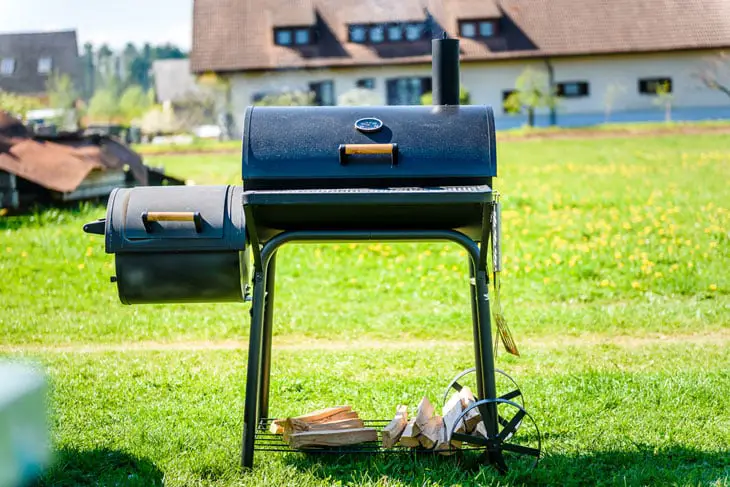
(715,73)
(18,105)
(89,70)
(464,97)
(609,99)
(135,102)
(532,91)
(359,97)
(61,91)
(104,105)
(665,99)
(287,99)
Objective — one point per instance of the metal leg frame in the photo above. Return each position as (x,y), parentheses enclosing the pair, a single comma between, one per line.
(259,354)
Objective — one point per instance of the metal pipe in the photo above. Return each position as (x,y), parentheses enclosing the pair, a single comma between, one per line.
(445,71)
(266,346)
(476,329)
(253,376)
(489,414)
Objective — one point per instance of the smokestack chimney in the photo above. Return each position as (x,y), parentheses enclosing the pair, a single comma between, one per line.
(445,70)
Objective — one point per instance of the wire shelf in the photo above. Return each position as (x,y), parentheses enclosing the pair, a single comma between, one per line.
(270,442)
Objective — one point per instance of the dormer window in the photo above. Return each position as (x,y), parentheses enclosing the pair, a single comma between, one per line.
(478,29)
(414,32)
(377,34)
(358,33)
(289,36)
(395,33)
(302,36)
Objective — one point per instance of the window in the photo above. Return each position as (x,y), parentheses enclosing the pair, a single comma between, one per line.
(407,91)
(573,89)
(505,96)
(414,32)
(486,29)
(368,83)
(468,29)
(649,86)
(302,36)
(7,66)
(44,65)
(283,37)
(482,29)
(377,34)
(395,33)
(324,92)
(358,33)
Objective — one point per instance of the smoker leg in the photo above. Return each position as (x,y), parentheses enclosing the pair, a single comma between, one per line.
(266,347)
(253,377)
(475,327)
(487,354)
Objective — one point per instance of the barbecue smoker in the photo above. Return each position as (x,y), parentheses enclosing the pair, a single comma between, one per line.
(326,174)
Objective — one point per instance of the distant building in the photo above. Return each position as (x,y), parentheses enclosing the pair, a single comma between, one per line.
(28,59)
(173,80)
(598,52)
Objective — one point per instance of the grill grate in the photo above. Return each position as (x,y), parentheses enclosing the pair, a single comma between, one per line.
(266,441)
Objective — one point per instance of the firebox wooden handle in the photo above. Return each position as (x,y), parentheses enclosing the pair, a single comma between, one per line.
(172,216)
(346,150)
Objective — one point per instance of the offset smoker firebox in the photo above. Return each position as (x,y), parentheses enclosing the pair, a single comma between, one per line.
(325,174)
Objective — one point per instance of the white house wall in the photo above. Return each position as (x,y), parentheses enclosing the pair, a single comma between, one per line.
(486,81)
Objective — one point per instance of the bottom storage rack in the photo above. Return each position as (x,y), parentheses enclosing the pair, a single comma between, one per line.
(267,441)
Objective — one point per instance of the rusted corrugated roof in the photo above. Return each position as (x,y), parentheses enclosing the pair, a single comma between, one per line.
(62,163)
(50,165)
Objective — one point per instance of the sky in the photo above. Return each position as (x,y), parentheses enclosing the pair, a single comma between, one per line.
(115,22)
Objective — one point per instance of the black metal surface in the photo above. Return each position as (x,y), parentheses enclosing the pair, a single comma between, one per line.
(445,71)
(179,277)
(196,259)
(267,332)
(457,208)
(298,147)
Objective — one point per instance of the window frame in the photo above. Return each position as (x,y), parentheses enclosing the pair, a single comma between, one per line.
(477,26)
(584,89)
(3,63)
(400,29)
(393,96)
(283,30)
(364,82)
(373,28)
(506,94)
(50,65)
(644,83)
(316,87)
(365,33)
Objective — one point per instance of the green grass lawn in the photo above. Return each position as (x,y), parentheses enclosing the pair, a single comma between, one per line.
(616,288)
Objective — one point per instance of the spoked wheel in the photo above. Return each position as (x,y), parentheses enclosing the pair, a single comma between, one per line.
(517,444)
(507,388)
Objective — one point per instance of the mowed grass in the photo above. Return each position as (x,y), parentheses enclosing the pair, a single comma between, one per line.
(616,288)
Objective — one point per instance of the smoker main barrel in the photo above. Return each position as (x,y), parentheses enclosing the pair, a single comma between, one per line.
(339,168)
(176,244)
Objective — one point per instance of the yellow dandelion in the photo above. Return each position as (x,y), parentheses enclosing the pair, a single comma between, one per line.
(713,244)
(546,280)
(336,247)
(713,287)
(690,265)
(408,270)
(3,211)
(353,280)
(635,285)
(8,249)
(657,275)
(400,284)
(81,266)
(24,254)
(454,268)
(89,251)
(427,252)
(353,245)
(604,283)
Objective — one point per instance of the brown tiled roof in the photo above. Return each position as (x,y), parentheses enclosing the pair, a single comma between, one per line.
(236,35)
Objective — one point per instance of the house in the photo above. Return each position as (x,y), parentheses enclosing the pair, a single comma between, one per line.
(173,80)
(28,59)
(601,55)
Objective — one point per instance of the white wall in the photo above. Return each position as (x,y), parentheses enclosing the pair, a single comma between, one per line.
(487,80)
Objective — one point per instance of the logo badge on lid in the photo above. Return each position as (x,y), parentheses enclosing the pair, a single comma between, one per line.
(369,125)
